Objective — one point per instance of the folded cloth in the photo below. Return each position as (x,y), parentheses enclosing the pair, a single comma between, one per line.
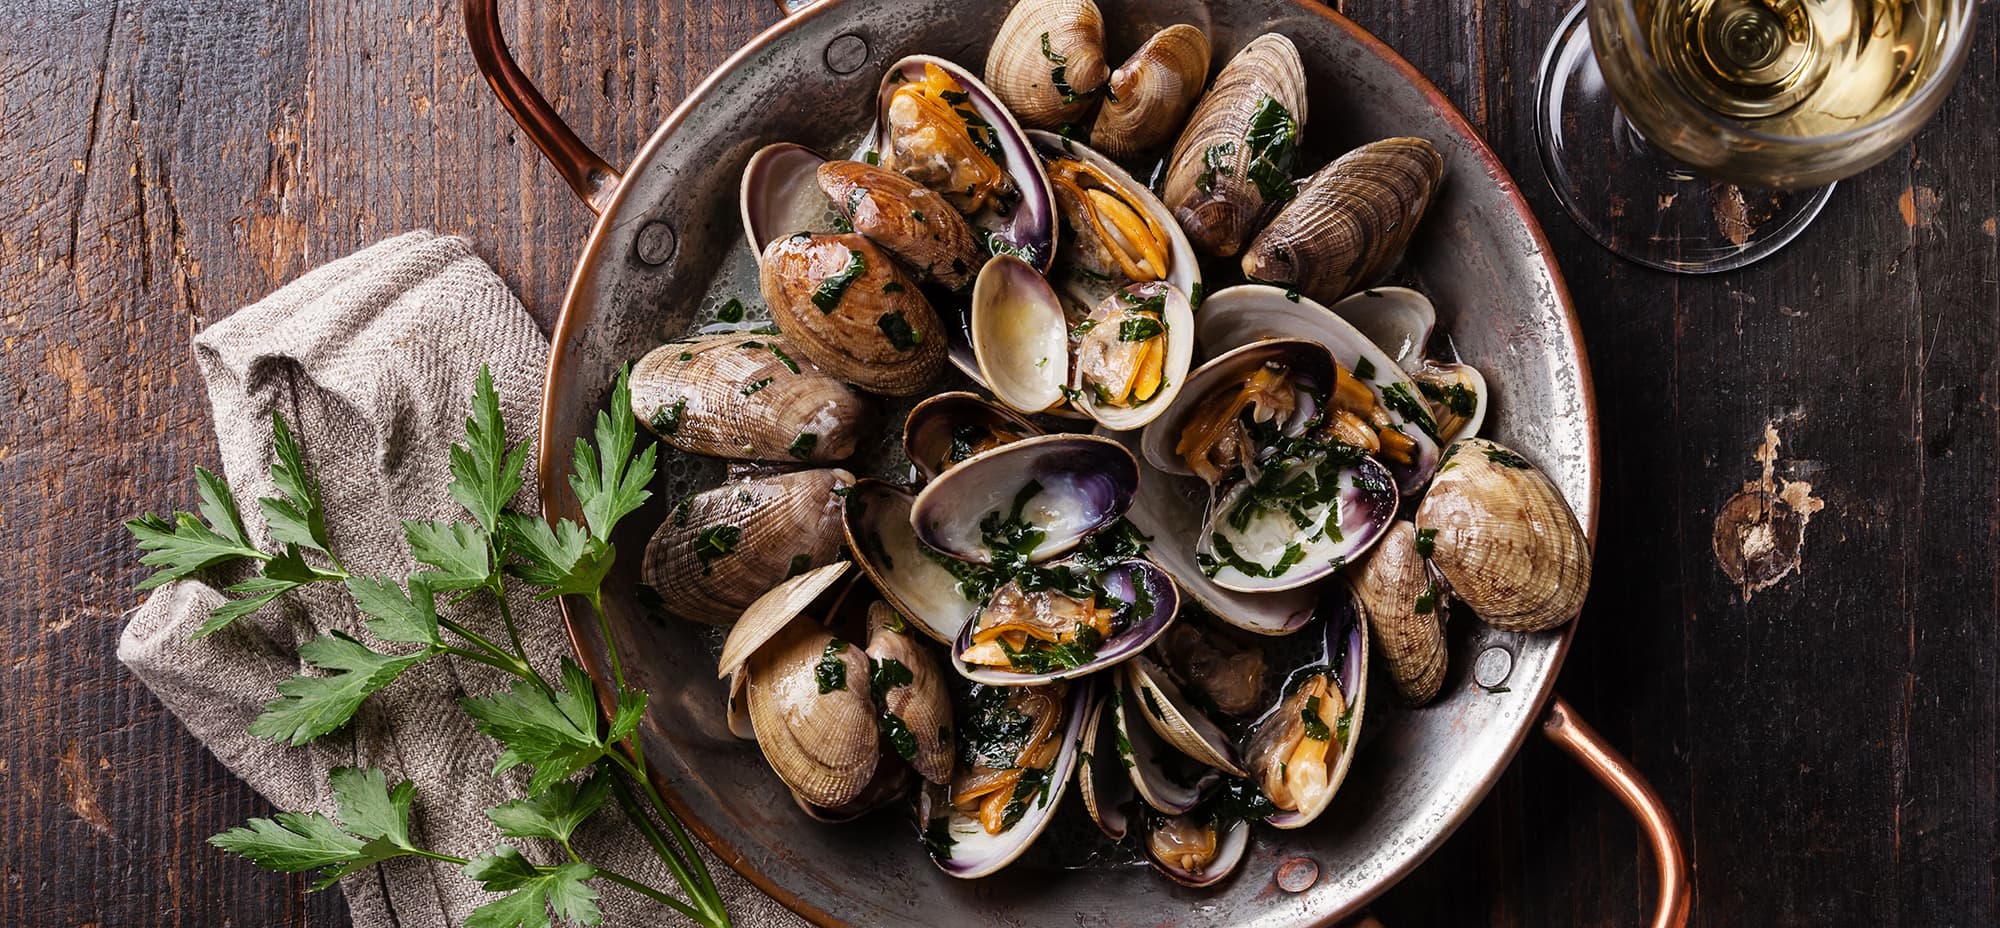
(372,359)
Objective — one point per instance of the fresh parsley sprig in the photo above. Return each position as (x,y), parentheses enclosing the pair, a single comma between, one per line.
(577,760)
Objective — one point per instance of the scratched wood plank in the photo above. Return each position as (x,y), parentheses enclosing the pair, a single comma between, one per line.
(1828,744)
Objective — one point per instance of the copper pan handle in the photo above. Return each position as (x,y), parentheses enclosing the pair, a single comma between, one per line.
(593,178)
(1570,733)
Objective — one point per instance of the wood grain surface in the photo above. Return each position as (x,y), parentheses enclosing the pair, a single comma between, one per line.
(1828,741)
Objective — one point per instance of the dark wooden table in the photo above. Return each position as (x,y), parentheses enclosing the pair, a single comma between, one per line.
(1829,743)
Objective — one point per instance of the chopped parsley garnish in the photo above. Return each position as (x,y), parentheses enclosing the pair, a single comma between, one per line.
(1427,601)
(731,311)
(888,674)
(991,733)
(1226,556)
(803,445)
(893,287)
(897,734)
(937,835)
(1364,369)
(1457,397)
(681,508)
(784,358)
(1082,327)
(827,295)
(1426,540)
(832,670)
(1292,295)
(1196,296)
(1139,328)
(872,157)
(1273,139)
(1010,539)
(667,419)
(1397,397)
(1238,800)
(1315,726)
(687,356)
(918,216)
(963,437)
(754,386)
(1031,788)
(1214,161)
(898,330)
(715,542)
(800,564)
(1506,458)
(897,624)
(1044,657)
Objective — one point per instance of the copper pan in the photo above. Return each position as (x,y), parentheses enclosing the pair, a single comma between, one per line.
(667,222)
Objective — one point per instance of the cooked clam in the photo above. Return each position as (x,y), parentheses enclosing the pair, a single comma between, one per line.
(1375,394)
(1301,751)
(1195,850)
(912,222)
(1028,501)
(1119,232)
(1215,670)
(1132,355)
(1014,741)
(941,127)
(1047,61)
(722,548)
(1404,606)
(950,427)
(1504,538)
(1297,520)
(1398,320)
(1019,336)
(695,395)
(919,582)
(910,687)
(1101,771)
(1350,220)
(737,712)
(1456,392)
(891,782)
(1235,156)
(852,312)
(814,717)
(1068,620)
(1151,93)
(778,197)
(1163,777)
(1171,715)
(771,613)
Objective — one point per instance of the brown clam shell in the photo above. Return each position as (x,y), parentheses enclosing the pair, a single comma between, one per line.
(1391,582)
(1350,221)
(878,333)
(744,397)
(1505,539)
(1209,184)
(755,533)
(1151,93)
(923,705)
(822,744)
(1023,71)
(905,217)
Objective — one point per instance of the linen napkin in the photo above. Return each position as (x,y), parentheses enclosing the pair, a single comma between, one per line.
(372,360)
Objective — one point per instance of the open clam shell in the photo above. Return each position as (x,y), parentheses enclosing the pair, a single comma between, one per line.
(1027,225)
(770,613)
(778,195)
(691,394)
(1308,365)
(1153,602)
(951,427)
(1252,547)
(1177,720)
(1398,320)
(1161,775)
(1020,339)
(1240,315)
(1196,850)
(1168,509)
(913,578)
(1183,268)
(962,847)
(1062,487)
(1301,778)
(1101,770)
(1114,350)
(1457,394)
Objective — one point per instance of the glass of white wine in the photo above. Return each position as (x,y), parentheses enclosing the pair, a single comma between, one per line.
(1701,135)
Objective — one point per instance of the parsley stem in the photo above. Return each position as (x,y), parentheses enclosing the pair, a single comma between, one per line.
(518,666)
(499,663)
(673,823)
(507,616)
(611,648)
(433,855)
(672,858)
(651,893)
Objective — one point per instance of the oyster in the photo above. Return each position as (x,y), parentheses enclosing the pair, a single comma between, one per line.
(697,396)
(939,126)
(950,427)
(919,582)
(1378,396)
(1196,850)
(724,547)
(1350,220)
(1504,538)
(1151,93)
(1028,501)
(1404,607)
(1301,751)
(1017,749)
(1066,620)
(910,687)
(1047,61)
(1235,156)
(909,220)
(852,313)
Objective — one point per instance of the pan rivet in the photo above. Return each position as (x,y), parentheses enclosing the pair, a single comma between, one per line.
(846,53)
(1297,874)
(1492,668)
(655,243)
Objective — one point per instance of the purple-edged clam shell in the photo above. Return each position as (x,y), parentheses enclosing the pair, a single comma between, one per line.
(972,852)
(1242,314)
(876,519)
(1347,652)
(1124,581)
(780,196)
(1028,228)
(1086,484)
(1146,756)
(1101,772)
(1306,360)
(1185,271)
(1362,511)
(928,433)
(1168,509)
(1230,846)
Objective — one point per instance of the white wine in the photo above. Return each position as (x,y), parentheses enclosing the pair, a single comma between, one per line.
(1798,68)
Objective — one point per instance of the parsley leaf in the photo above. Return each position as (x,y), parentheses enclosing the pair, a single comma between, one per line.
(297,515)
(531,891)
(555,814)
(308,707)
(457,552)
(609,483)
(396,615)
(373,826)
(485,472)
(555,733)
(562,558)
(187,544)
